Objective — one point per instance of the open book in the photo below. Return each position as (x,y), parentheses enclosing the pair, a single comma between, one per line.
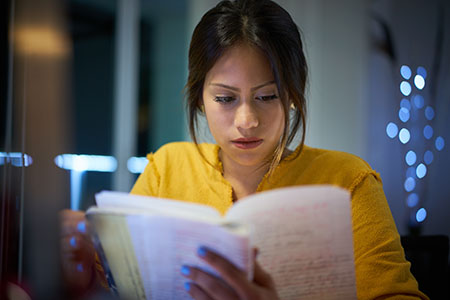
(303,234)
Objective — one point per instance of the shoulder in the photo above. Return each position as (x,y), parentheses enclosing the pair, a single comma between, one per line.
(334,167)
(334,160)
(181,153)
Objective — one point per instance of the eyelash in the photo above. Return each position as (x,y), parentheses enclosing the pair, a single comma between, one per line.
(227,99)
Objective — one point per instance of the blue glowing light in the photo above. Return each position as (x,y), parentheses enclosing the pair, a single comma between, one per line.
(137,165)
(421,171)
(411,172)
(15,159)
(410,184)
(410,157)
(81,163)
(405,104)
(403,114)
(421,215)
(405,88)
(418,101)
(419,82)
(404,135)
(439,143)
(412,200)
(428,132)
(428,157)
(429,113)
(422,72)
(406,72)
(391,130)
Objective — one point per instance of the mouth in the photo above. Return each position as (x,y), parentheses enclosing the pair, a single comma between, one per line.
(247,143)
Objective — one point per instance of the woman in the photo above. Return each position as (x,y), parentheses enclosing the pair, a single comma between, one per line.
(247,76)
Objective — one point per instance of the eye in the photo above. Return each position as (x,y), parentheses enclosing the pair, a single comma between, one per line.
(223,99)
(267,98)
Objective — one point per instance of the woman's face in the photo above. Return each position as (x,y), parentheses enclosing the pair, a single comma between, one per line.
(242,106)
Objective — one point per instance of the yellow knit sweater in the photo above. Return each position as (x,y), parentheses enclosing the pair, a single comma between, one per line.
(178,171)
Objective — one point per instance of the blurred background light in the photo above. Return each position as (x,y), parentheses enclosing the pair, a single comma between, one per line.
(410,158)
(137,165)
(411,172)
(15,158)
(428,157)
(422,72)
(439,143)
(418,101)
(403,114)
(391,130)
(405,71)
(412,200)
(421,215)
(428,132)
(405,88)
(404,135)
(421,171)
(419,82)
(97,163)
(429,113)
(405,104)
(410,184)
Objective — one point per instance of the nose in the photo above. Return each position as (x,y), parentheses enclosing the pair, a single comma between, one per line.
(246,116)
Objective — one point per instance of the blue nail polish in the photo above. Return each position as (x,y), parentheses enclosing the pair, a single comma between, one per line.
(73,242)
(81,227)
(185,270)
(80,268)
(201,251)
(187,286)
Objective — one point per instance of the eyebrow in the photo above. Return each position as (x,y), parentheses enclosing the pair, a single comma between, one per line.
(238,89)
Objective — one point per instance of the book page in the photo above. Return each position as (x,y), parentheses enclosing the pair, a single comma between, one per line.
(116,246)
(146,204)
(304,236)
(163,244)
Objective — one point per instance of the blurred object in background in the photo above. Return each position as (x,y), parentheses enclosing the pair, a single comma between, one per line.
(36,125)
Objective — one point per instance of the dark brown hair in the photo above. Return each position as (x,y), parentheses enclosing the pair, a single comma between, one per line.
(263,24)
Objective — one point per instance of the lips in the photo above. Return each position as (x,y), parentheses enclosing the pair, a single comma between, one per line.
(247,143)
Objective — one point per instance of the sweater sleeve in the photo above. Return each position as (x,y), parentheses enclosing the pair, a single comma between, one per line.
(382,272)
(147,183)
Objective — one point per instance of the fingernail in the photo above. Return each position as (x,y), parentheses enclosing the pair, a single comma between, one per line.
(81,226)
(187,286)
(185,270)
(80,268)
(201,251)
(73,242)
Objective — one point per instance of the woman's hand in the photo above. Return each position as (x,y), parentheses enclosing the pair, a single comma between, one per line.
(234,283)
(77,252)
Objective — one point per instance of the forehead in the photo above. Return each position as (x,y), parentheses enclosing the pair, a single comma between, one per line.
(241,64)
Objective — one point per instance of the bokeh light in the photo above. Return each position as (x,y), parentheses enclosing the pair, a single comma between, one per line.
(405,88)
(405,71)
(412,200)
(419,82)
(405,104)
(418,101)
(439,143)
(421,215)
(403,114)
(421,171)
(428,132)
(410,158)
(429,113)
(391,130)
(422,72)
(428,157)
(410,184)
(404,135)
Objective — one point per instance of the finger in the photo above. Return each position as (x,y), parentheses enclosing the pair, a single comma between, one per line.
(196,292)
(261,277)
(236,278)
(208,283)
